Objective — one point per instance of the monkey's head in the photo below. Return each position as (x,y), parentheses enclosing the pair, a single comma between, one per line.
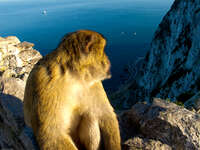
(85,56)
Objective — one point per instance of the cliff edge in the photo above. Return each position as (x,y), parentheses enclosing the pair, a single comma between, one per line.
(170,68)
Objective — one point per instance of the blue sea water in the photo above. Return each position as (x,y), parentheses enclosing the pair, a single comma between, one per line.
(128,25)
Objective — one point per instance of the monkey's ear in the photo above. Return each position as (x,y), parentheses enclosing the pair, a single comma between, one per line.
(88,44)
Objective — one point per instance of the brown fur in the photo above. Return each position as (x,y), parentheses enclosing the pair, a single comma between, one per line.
(65,102)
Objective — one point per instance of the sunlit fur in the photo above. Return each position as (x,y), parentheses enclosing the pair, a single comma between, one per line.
(65,102)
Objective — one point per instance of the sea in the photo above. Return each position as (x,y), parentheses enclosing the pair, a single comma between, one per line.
(127,25)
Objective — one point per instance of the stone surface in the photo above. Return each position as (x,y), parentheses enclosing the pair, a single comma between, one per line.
(16,58)
(11,137)
(161,125)
(138,143)
(193,103)
(12,86)
(16,62)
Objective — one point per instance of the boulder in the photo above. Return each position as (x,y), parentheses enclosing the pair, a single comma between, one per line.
(17,58)
(161,125)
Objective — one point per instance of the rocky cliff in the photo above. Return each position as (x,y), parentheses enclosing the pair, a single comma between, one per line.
(171,67)
(16,61)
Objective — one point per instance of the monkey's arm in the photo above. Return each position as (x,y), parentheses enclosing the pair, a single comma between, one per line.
(108,122)
(110,132)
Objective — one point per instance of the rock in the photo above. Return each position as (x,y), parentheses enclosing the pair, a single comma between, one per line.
(30,55)
(10,40)
(161,124)
(171,66)
(13,86)
(17,59)
(11,96)
(10,135)
(138,143)
(8,45)
(25,45)
(15,106)
(193,103)
(10,62)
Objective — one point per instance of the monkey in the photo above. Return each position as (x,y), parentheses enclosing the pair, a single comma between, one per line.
(65,102)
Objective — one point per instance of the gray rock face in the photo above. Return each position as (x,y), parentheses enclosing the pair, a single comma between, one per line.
(139,143)
(11,135)
(13,86)
(193,103)
(16,61)
(162,125)
(171,66)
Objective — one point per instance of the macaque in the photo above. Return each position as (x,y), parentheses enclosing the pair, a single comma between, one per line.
(65,103)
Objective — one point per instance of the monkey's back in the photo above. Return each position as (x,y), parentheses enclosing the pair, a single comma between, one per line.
(42,90)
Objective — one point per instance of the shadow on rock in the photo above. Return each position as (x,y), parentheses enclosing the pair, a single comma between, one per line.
(15,106)
(12,111)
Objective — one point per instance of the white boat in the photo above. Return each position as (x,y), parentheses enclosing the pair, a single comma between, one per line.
(44,12)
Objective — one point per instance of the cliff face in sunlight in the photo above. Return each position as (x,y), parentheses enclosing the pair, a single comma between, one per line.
(171,68)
